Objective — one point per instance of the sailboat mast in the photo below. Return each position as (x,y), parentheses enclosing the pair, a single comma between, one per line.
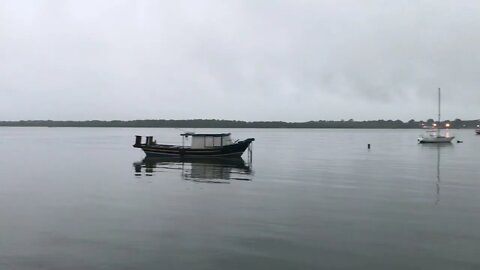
(438,125)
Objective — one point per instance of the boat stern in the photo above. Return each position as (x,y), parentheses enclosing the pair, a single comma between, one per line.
(138,141)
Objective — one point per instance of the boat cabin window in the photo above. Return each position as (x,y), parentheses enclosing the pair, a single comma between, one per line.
(206,141)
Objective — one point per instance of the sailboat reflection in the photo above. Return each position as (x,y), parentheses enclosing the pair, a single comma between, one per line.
(438,175)
(437,182)
(204,170)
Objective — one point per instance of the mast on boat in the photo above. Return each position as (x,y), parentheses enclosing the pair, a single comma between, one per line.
(438,125)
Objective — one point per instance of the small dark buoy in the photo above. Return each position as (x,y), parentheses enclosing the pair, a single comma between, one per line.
(459,141)
(368,145)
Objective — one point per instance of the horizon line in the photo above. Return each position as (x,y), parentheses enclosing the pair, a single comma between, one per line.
(233,120)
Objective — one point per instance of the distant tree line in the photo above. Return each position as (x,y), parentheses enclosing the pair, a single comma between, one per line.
(214,123)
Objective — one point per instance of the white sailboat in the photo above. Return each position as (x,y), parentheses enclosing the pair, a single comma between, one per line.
(434,135)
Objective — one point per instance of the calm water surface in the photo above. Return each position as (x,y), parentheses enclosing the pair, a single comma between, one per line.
(74,198)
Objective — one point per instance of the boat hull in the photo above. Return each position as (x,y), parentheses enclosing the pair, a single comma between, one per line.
(232,150)
(435,139)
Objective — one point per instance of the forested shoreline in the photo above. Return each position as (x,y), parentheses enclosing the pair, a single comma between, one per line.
(214,123)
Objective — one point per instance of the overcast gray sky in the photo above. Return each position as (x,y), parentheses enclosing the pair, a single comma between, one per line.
(293,60)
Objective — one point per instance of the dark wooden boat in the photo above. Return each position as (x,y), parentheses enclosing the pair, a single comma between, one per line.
(202,145)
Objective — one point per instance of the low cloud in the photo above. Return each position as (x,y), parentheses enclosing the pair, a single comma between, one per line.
(246,60)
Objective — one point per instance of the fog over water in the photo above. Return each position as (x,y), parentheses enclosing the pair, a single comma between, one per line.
(246,60)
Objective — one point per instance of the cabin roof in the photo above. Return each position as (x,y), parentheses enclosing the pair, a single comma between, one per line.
(187,134)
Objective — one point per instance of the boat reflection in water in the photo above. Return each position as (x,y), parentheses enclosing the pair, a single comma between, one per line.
(204,170)
(438,148)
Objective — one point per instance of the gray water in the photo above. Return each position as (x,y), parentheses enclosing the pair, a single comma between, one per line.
(74,198)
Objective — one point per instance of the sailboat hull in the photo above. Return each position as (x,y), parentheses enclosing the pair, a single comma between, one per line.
(438,139)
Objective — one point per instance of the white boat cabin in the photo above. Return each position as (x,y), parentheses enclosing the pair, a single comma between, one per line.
(202,141)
